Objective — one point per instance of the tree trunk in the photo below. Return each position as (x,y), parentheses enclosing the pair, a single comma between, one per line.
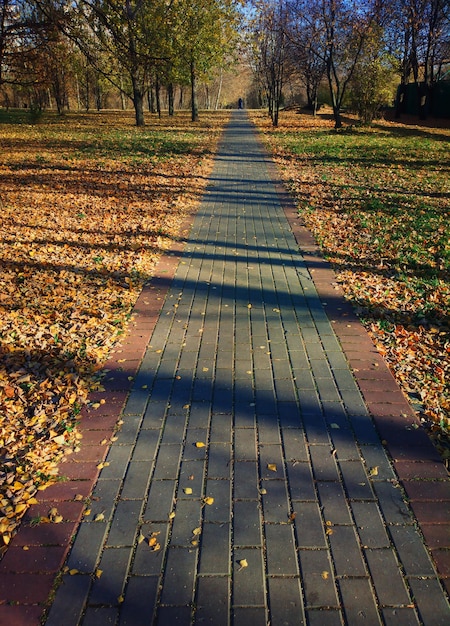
(158,96)
(219,90)
(138,102)
(151,100)
(400,101)
(170,97)
(194,102)
(423,95)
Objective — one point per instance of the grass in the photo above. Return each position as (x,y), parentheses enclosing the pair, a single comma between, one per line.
(378,201)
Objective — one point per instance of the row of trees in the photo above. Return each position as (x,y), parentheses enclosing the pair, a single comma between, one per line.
(135,45)
(359,48)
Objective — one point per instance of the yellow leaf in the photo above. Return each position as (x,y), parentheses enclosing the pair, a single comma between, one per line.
(200,444)
(197,531)
(373,471)
(59,440)
(120,599)
(73,571)
(272,467)
(98,573)
(187,491)
(20,508)
(243,563)
(99,517)
(172,515)
(325,575)
(208,500)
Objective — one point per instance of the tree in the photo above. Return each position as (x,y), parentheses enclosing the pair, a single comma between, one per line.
(270,50)
(205,37)
(305,36)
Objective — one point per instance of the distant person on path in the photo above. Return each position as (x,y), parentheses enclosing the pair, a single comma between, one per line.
(240,103)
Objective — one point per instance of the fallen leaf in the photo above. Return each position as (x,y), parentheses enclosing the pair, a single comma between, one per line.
(272,467)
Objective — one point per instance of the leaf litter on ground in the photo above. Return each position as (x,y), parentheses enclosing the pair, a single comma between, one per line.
(89,203)
(377,200)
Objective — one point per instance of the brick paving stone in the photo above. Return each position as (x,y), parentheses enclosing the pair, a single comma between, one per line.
(70,601)
(246,480)
(414,557)
(169,615)
(179,575)
(243,616)
(148,561)
(187,518)
(215,549)
(392,503)
(100,616)
(276,504)
(24,588)
(140,601)
(309,525)
(358,602)
(42,559)
(20,615)
(212,601)
(334,503)
(400,617)
(108,588)
(317,579)
(248,588)
(247,523)
(322,617)
(323,463)
(369,525)
(387,579)
(137,480)
(355,480)
(345,552)
(294,445)
(219,460)
(301,481)
(286,606)
(433,606)
(87,546)
(124,523)
(280,550)
(271,461)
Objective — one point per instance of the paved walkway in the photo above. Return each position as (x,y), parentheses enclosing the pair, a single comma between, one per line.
(248,484)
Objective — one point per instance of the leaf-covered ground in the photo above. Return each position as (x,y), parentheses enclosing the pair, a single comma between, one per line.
(378,202)
(87,204)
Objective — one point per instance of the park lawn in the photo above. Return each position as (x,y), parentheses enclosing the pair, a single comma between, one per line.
(378,202)
(88,203)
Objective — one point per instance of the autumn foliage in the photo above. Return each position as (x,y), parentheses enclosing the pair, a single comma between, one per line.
(88,203)
(378,201)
